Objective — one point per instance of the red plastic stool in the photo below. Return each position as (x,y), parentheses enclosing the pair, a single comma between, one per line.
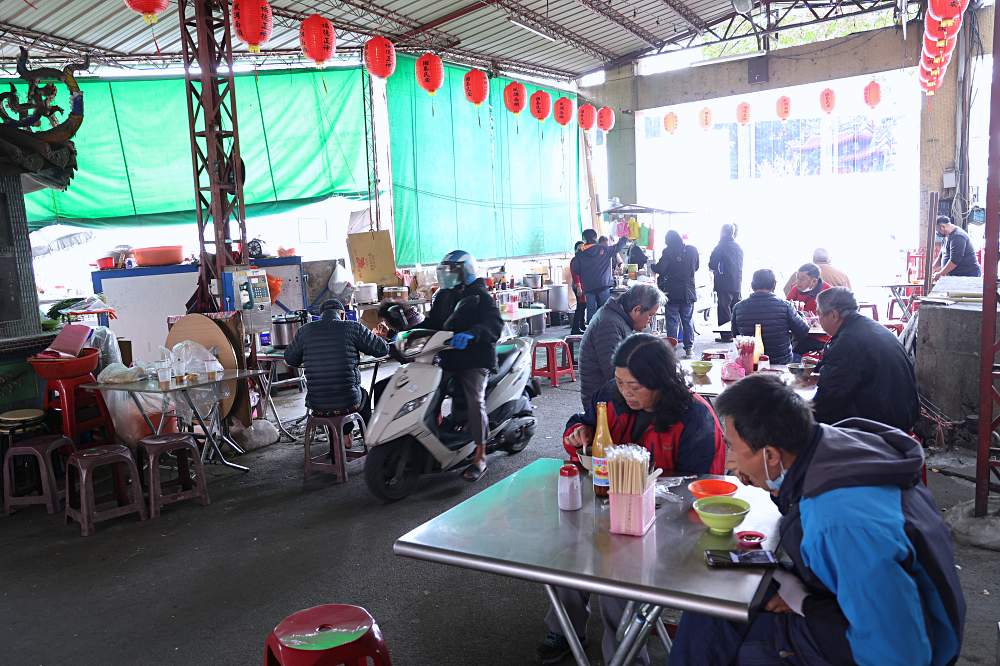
(573,341)
(895,326)
(85,462)
(41,448)
(327,635)
(65,397)
(869,306)
(335,461)
(552,370)
(190,485)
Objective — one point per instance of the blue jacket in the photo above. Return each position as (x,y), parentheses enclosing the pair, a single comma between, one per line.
(779,323)
(869,543)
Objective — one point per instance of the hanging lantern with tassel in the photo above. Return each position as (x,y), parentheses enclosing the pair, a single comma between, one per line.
(743,113)
(705,118)
(873,94)
(430,72)
(606,118)
(541,104)
(670,122)
(253,22)
(380,57)
(562,111)
(318,38)
(783,107)
(827,100)
(514,97)
(586,116)
(477,86)
(148,8)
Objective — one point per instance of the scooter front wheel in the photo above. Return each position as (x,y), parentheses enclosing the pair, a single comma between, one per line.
(391,470)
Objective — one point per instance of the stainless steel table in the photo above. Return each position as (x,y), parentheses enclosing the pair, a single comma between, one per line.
(515,528)
(711,385)
(213,449)
(268,358)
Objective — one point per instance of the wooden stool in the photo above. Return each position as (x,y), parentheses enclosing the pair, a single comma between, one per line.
(573,341)
(85,461)
(41,448)
(552,370)
(328,635)
(338,454)
(869,306)
(191,486)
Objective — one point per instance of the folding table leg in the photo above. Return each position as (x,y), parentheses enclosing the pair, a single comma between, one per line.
(568,631)
(636,635)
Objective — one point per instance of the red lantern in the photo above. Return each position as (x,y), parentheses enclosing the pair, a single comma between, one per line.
(430,72)
(606,118)
(670,122)
(743,113)
(380,57)
(933,66)
(934,58)
(705,118)
(934,45)
(148,8)
(783,107)
(873,94)
(946,9)
(942,28)
(318,38)
(253,22)
(586,116)
(562,111)
(827,100)
(541,105)
(477,86)
(514,97)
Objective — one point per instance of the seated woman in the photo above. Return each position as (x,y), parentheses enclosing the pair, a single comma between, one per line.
(648,404)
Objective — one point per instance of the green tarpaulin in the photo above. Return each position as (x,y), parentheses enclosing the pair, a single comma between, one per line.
(302,138)
(478,178)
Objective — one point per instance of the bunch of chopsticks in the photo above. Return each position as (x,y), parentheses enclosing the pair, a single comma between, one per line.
(628,470)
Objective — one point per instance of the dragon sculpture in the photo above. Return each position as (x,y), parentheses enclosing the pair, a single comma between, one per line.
(46,157)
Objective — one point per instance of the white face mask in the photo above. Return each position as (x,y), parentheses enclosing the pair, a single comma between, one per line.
(774,484)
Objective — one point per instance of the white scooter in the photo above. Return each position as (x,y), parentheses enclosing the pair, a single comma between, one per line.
(408,436)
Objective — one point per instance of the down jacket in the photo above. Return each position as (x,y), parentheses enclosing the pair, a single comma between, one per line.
(780,324)
(330,350)
(481,320)
(605,332)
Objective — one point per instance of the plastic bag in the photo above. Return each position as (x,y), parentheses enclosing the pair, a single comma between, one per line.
(106,342)
(340,285)
(116,373)
(130,426)
(190,357)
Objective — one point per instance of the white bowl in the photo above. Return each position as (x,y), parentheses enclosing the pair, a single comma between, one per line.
(586,461)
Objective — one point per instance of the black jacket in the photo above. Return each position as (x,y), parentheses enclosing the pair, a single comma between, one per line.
(726,264)
(481,320)
(594,265)
(780,324)
(330,349)
(606,330)
(866,373)
(676,269)
(637,256)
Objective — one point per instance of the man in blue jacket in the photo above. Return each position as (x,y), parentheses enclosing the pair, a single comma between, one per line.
(873,576)
(594,264)
(780,324)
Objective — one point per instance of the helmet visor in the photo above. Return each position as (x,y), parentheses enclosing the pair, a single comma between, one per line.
(449,276)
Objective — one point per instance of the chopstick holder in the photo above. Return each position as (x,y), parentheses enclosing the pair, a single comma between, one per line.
(633,514)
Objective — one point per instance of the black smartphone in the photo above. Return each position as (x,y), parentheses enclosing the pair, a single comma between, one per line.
(731,559)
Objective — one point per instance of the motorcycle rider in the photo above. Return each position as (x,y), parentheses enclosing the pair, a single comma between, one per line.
(464,305)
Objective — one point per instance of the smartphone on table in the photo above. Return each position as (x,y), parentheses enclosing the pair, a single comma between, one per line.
(736,559)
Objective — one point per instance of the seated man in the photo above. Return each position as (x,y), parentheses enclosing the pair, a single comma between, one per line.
(832,276)
(330,350)
(779,323)
(649,404)
(865,372)
(614,322)
(808,285)
(872,579)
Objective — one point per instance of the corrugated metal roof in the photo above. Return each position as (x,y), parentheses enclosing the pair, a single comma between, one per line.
(582,38)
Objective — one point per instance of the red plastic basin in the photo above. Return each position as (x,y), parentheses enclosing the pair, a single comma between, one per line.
(711,488)
(66,368)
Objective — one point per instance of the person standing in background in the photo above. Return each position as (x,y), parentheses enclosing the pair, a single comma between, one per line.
(726,264)
(675,271)
(580,316)
(594,269)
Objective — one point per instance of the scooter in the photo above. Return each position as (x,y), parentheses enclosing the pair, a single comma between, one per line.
(409,435)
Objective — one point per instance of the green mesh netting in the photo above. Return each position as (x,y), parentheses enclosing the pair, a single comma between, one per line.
(302,138)
(480,179)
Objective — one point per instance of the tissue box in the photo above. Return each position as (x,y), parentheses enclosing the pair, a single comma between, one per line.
(633,514)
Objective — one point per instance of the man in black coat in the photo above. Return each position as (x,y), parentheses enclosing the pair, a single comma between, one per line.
(675,270)
(780,324)
(594,264)
(865,372)
(330,350)
(464,305)
(726,264)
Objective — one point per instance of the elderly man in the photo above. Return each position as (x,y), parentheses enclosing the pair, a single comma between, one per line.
(832,276)
(613,323)
(330,350)
(958,257)
(865,371)
(872,577)
(780,324)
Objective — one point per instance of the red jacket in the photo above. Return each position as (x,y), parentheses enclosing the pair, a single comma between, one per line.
(808,297)
(693,445)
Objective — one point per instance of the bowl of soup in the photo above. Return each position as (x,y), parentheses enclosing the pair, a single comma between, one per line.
(721,513)
(701,368)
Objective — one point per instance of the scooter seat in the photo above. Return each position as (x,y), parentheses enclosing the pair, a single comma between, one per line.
(505,361)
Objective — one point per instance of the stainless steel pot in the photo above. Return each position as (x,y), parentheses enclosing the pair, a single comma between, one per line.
(283,329)
(534,280)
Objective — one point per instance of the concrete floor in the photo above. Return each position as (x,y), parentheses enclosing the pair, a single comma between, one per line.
(204,585)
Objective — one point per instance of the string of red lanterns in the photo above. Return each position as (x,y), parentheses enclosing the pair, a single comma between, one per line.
(942,21)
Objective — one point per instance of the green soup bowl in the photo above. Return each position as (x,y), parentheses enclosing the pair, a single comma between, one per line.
(721,513)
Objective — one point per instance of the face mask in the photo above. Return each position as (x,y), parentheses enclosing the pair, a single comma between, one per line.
(774,484)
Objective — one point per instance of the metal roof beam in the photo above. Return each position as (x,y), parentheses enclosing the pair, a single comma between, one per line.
(686,13)
(553,30)
(613,15)
(32,39)
(447,18)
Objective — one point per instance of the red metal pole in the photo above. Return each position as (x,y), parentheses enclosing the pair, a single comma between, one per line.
(988,341)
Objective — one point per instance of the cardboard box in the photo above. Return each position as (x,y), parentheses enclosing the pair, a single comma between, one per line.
(372,258)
